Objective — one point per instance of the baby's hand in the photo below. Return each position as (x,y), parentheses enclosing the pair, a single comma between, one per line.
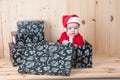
(65,42)
(75,45)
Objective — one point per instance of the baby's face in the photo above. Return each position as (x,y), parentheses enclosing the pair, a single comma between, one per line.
(72,29)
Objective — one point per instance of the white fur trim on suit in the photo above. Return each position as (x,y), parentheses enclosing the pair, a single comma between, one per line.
(70,39)
(74,19)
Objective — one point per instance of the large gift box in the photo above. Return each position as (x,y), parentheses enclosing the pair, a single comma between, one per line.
(47,58)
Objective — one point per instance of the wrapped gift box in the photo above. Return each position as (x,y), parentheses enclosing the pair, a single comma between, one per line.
(47,58)
(25,38)
(30,26)
(29,32)
(16,52)
(82,56)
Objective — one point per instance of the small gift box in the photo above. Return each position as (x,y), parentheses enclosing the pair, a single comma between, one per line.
(30,26)
(82,56)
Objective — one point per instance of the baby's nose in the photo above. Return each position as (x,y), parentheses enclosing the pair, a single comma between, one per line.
(73,30)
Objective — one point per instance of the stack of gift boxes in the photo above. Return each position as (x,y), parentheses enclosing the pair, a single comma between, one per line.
(33,54)
(28,32)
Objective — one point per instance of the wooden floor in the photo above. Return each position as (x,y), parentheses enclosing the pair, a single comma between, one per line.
(103,67)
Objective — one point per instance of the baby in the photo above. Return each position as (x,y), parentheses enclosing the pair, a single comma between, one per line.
(71,24)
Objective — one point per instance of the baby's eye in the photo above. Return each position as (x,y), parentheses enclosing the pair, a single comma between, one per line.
(75,28)
(69,28)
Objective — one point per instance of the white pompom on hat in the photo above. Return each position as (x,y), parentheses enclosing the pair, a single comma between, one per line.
(66,19)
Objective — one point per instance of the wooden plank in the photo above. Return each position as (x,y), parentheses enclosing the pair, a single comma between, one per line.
(99,24)
(32,9)
(20,8)
(106,26)
(90,26)
(102,68)
(5,26)
(117,40)
(113,25)
(83,16)
(12,15)
(74,9)
(1,34)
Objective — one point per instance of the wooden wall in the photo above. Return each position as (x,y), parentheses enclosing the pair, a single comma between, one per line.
(100,21)
(107,28)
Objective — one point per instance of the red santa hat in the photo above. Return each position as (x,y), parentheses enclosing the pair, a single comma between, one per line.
(66,19)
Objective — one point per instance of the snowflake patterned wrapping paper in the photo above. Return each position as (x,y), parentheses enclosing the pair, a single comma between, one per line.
(25,38)
(28,32)
(30,26)
(82,57)
(16,53)
(47,58)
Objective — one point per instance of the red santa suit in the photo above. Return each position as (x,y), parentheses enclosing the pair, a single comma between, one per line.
(77,40)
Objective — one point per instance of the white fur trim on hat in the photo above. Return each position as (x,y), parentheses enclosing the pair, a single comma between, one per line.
(74,19)
(65,29)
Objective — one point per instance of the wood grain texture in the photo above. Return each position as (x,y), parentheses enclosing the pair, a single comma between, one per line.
(103,67)
(100,21)
(5,26)
(1,35)
(107,40)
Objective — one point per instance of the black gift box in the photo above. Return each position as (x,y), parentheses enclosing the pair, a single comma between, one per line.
(28,33)
(16,53)
(47,58)
(82,56)
(30,26)
(25,38)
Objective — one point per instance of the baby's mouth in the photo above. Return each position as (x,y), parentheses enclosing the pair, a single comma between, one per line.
(73,33)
